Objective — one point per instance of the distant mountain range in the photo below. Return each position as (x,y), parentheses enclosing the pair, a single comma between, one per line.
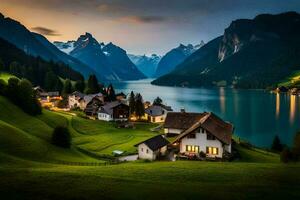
(109,61)
(37,45)
(174,57)
(253,53)
(146,64)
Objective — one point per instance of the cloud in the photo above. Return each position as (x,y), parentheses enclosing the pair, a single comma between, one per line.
(143,19)
(45,31)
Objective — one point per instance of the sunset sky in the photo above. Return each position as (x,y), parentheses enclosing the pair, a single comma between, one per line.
(138,26)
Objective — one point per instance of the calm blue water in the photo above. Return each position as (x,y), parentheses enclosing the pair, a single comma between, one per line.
(257,115)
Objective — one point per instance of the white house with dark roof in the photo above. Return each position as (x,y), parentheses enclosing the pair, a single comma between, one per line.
(114,111)
(209,134)
(152,148)
(157,113)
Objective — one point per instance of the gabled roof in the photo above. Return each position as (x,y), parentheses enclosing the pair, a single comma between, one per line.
(182,120)
(78,94)
(157,110)
(155,142)
(108,108)
(214,125)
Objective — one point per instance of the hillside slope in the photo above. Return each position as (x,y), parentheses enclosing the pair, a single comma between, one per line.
(28,137)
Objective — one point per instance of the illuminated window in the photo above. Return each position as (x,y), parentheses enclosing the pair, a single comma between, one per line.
(192,148)
(212,150)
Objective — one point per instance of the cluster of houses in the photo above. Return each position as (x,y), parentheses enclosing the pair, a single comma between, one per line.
(187,135)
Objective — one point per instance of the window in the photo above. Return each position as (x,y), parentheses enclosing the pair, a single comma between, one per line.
(202,130)
(147,151)
(210,137)
(142,149)
(212,150)
(192,148)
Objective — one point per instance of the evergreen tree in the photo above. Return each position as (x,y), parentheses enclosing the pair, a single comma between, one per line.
(80,85)
(92,85)
(50,81)
(131,103)
(67,87)
(13,89)
(14,68)
(276,145)
(27,99)
(139,105)
(59,86)
(111,95)
(157,101)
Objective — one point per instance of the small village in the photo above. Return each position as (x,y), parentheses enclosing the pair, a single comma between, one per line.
(183,135)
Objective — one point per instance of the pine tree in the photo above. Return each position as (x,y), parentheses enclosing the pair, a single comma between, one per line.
(157,101)
(139,105)
(2,68)
(276,145)
(131,103)
(67,87)
(80,85)
(111,95)
(92,85)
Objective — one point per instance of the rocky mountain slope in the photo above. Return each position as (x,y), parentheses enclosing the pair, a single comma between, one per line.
(146,64)
(253,53)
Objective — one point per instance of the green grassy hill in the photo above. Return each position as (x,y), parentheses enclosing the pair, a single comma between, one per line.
(29,167)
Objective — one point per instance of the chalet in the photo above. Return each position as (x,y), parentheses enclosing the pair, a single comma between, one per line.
(153,148)
(177,122)
(47,99)
(114,111)
(157,113)
(209,135)
(80,100)
(93,106)
(75,100)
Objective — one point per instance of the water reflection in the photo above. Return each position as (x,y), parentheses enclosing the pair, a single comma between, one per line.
(277,105)
(222,99)
(292,108)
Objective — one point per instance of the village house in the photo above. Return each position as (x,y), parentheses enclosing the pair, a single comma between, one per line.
(210,136)
(47,99)
(157,113)
(153,148)
(114,111)
(80,100)
(177,122)
(93,106)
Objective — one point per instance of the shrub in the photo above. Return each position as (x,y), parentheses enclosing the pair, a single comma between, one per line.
(296,147)
(61,137)
(285,155)
(202,154)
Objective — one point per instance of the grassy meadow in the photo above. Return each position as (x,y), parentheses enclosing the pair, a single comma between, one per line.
(32,168)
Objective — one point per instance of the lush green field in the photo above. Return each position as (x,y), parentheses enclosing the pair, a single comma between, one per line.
(29,169)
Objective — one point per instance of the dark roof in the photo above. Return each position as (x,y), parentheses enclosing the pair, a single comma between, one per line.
(214,125)
(182,120)
(121,94)
(78,94)
(108,108)
(156,110)
(155,142)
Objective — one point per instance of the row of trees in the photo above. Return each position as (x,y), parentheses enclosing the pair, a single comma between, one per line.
(136,104)
(20,92)
(287,154)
